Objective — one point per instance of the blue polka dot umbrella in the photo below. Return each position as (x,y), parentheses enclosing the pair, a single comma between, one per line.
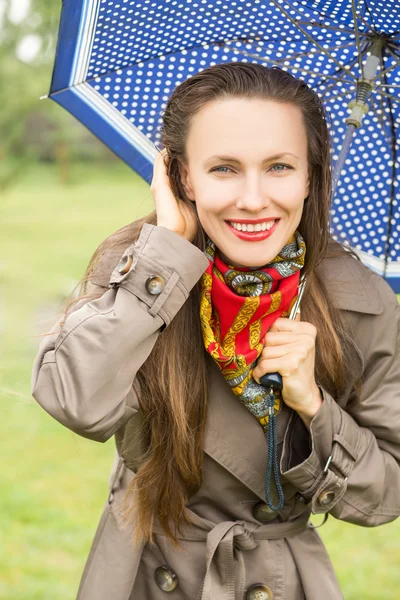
(118,61)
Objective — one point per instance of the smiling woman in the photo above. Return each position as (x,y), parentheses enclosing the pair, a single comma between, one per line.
(267,180)
(178,317)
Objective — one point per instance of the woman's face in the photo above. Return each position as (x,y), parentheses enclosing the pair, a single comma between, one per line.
(247,160)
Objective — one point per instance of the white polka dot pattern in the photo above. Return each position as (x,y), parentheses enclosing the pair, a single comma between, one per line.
(143,49)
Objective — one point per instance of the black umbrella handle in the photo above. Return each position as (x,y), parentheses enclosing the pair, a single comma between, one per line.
(272,380)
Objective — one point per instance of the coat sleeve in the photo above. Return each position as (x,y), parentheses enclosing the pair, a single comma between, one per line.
(83,374)
(353,469)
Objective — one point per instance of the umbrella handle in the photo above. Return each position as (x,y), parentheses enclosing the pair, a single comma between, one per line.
(274,380)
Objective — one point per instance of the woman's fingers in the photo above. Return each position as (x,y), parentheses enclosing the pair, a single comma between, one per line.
(293,326)
(172,213)
(269,352)
(278,338)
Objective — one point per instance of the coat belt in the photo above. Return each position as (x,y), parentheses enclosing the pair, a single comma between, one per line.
(225,543)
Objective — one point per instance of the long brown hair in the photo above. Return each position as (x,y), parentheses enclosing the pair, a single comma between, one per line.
(173,402)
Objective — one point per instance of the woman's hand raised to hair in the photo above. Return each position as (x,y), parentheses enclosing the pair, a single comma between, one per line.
(289,349)
(172,213)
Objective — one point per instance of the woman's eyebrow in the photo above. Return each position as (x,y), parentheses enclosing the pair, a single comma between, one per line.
(269,158)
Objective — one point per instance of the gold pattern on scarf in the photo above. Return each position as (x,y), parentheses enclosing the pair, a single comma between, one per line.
(247,310)
(276,299)
(254,334)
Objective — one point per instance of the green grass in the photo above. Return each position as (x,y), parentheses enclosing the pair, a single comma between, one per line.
(54,483)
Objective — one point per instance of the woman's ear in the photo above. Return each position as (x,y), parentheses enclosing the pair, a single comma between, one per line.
(185,179)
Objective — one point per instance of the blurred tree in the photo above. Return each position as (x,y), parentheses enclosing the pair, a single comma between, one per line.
(26,44)
(33,129)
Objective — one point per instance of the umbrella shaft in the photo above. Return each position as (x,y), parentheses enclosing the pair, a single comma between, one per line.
(342,156)
(359,106)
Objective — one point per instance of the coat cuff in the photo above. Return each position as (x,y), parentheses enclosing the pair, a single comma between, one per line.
(163,258)
(334,437)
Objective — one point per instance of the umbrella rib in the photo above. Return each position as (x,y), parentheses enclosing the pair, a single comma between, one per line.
(392,184)
(281,63)
(381,122)
(392,52)
(386,71)
(293,21)
(381,105)
(336,96)
(394,98)
(324,26)
(331,85)
(312,52)
(370,15)
(393,45)
(370,26)
(393,85)
(315,10)
(351,63)
(354,13)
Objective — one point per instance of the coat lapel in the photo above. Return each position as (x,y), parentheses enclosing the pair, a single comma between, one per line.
(234,438)
(348,282)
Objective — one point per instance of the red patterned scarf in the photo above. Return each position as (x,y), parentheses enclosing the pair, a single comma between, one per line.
(237,308)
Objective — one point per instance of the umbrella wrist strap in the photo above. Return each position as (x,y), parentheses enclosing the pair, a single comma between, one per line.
(272,460)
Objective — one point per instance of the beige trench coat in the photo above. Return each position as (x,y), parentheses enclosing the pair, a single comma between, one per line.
(347,465)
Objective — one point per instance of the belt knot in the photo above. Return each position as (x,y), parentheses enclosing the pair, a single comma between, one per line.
(244,540)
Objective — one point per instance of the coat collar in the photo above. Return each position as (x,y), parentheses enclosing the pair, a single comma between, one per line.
(350,283)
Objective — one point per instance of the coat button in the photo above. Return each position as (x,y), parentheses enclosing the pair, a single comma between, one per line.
(259,591)
(263,513)
(155,284)
(166,578)
(125,264)
(326,497)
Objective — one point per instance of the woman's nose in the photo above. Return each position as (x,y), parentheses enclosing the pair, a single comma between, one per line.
(253,197)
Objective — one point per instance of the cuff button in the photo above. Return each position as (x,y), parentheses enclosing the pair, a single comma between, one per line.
(125,264)
(326,497)
(155,284)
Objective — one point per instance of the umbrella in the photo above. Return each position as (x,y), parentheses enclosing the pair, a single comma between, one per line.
(118,61)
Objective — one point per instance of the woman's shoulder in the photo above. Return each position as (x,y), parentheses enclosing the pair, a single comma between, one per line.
(353,285)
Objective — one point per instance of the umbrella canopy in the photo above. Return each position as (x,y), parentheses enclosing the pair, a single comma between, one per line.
(118,61)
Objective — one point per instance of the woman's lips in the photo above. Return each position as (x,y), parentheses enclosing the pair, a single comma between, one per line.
(253,236)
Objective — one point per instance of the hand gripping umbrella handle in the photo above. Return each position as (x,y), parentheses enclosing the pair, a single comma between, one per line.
(273,381)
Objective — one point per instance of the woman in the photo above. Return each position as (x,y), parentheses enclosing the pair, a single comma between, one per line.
(175,326)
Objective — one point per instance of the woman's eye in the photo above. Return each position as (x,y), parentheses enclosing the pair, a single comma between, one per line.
(218,171)
(279,167)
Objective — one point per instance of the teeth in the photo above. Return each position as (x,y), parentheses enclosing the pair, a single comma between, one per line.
(251,226)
